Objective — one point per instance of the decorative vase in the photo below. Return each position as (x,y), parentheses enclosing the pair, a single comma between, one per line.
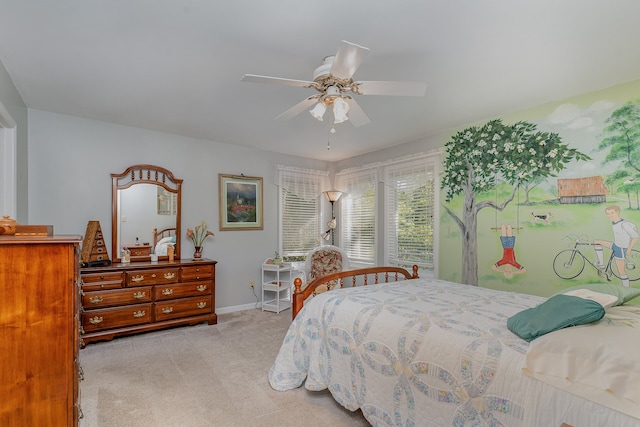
(197,255)
(7,226)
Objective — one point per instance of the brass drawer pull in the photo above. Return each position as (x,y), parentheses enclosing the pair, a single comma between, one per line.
(139,295)
(96,300)
(139,313)
(139,278)
(167,310)
(169,276)
(95,320)
(201,288)
(201,304)
(167,291)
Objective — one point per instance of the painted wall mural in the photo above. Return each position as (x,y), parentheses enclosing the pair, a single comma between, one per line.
(545,199)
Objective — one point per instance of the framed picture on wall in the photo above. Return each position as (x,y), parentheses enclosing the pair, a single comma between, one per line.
(240,202)
(167,201)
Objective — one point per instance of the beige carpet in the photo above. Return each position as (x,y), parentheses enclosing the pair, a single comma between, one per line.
(200,376)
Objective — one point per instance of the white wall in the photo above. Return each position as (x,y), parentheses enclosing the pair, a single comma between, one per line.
(70,162)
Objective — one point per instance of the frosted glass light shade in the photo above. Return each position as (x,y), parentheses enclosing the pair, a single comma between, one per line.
(340,110)
(333,195)
(318,110)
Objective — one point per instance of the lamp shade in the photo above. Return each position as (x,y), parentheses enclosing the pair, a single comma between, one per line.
(318,110)
(340,110)
(333,195)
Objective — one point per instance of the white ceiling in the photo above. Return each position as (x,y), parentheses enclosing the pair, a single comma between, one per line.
(175,65)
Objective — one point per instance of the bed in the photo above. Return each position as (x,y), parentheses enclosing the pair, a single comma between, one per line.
(428,352)
(162,239)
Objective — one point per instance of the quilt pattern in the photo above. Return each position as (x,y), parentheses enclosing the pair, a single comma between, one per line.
(418,352)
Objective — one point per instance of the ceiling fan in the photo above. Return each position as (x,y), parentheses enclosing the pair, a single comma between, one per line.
(333,80)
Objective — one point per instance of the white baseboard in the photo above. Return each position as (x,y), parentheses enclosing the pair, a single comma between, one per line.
(234,308)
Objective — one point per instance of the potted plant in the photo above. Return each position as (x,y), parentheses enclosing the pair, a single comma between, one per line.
(276,258)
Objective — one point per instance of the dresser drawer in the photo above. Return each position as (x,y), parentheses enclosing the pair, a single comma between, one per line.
(190,274)
(184,307)
(100,281)
(152,277)
(100,299)
(107,318)
(182,290)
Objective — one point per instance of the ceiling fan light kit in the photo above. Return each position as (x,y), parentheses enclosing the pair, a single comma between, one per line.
(333,79)
(318,110)
(340,110)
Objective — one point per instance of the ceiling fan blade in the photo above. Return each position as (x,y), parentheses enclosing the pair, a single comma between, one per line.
(347,59)
(277,80)
(391,88)
(298,108)
(356,114)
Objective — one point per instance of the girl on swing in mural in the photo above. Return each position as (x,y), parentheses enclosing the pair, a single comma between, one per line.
(508,264)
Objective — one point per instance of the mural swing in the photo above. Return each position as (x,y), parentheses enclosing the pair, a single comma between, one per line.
(508,265)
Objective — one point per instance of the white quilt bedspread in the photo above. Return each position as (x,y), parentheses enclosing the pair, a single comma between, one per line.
(420,352)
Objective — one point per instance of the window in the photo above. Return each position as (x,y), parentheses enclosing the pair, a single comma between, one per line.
(358,219)
(410,190)
(300,216)
(406,230)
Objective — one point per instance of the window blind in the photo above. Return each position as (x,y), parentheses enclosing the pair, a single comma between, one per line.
(300,192)
(357,214)
(410,205)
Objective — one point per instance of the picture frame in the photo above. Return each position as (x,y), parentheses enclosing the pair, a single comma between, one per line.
(240,200)
(167,201)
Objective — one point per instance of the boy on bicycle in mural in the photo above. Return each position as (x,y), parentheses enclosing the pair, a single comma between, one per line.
(625,237)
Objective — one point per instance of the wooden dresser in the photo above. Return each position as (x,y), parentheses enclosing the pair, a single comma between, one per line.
(39,330)
(122,299)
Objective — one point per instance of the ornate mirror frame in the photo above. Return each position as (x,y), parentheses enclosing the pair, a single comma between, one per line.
(145,174)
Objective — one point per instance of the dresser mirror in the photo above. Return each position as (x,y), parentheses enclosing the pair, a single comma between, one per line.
(145,213)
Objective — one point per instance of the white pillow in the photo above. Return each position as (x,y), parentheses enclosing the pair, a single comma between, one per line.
(165,240)
(605,300)
(598,362)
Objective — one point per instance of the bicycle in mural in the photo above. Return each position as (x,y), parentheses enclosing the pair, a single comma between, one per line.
(570,263)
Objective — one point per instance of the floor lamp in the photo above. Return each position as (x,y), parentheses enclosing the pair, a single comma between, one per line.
(332,197)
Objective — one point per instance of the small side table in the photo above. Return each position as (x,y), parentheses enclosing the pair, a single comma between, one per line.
(276,287)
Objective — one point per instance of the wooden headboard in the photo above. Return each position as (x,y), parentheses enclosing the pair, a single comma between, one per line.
(363,276)
(159,235)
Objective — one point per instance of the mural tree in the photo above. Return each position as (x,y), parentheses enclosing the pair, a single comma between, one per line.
(477,157)
(623,136)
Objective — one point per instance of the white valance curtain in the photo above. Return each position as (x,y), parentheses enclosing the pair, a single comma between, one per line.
(306,184)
